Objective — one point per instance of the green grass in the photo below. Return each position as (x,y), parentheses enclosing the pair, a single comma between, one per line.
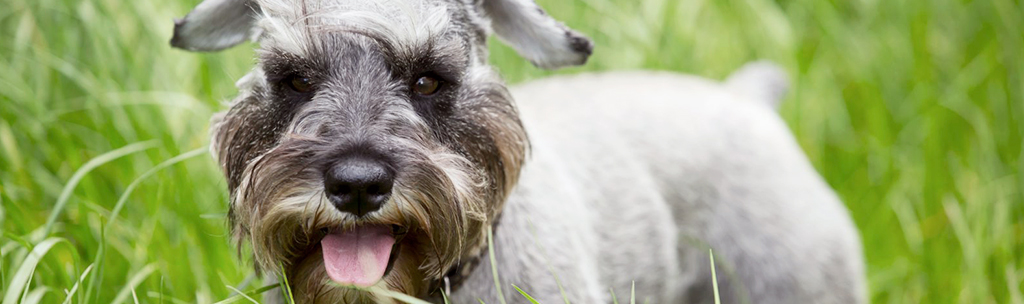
(913,110)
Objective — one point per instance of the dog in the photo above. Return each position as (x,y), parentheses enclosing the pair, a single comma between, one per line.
(373,148)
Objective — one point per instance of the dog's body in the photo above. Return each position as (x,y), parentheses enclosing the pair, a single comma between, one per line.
(634,176)
(373,146)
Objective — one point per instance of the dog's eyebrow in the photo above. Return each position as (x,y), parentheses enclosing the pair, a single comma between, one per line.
(279,64)
(444,56)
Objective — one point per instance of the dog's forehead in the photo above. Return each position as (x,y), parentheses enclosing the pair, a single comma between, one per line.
(293,26)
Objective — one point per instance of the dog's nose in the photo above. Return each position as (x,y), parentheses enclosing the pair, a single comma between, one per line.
(358,185)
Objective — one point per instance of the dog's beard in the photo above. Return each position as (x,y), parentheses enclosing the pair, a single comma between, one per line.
(436,216)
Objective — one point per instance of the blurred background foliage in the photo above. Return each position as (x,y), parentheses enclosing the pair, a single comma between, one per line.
(913,110)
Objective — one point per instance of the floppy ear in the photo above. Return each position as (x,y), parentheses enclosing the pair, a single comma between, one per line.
(539,38)
(214,25)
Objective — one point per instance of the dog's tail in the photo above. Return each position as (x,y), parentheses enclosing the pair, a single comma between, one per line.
(761,80)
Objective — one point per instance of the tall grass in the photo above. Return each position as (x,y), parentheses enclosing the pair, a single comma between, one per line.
(912,110)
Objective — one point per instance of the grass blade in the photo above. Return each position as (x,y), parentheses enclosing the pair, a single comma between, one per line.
(136,279)
(240,293)
(247,295)
(714,277)
(77,177)
(632,293)
(21,278)
(525,295)
(286,288)
(135,183)
(97,280)
(35,296)
(74,288)
(494,264)
(1011,284)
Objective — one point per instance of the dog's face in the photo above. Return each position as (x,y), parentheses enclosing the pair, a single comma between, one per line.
(372,144)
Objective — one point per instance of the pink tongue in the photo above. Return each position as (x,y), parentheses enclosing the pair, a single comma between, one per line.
(358,256)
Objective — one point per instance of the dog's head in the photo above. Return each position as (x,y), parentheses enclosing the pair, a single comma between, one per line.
(372,143)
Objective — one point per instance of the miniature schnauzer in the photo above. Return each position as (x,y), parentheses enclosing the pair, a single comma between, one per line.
(373,148)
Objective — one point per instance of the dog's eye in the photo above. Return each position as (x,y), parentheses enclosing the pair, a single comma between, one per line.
(426,85)
(299,84)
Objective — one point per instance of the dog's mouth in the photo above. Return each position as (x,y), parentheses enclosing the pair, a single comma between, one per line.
(362,255)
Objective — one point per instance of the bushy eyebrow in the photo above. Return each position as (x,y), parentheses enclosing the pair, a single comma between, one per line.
(448,62)
(447,57)
(278,64)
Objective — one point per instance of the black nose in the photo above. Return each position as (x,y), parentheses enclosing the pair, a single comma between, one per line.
(358,185)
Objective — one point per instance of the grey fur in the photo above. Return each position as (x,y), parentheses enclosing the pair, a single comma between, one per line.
(634,176)
(626,177)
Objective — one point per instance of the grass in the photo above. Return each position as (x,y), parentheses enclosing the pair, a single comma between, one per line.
(912,110)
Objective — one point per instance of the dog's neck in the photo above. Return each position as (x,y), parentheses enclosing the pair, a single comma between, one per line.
(459,273)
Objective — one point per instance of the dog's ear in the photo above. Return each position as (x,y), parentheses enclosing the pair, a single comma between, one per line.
(215,25)
(538,37)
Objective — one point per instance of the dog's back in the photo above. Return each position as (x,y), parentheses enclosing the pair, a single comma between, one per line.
(633,177)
